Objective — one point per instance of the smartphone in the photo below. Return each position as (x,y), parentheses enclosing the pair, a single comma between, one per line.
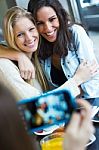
(51,108)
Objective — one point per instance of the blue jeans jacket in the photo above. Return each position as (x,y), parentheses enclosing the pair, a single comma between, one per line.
(83,50)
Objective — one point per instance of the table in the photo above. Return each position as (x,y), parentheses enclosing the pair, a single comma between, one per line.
(93,146)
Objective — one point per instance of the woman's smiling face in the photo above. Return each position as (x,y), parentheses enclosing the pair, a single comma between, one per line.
(47,23)
(26,35)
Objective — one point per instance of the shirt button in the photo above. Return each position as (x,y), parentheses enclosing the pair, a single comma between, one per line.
(68,75)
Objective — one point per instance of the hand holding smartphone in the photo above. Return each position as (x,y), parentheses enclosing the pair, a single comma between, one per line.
(54,107)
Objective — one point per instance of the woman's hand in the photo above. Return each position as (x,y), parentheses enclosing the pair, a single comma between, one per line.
(85,72)
(80,128)
(26,67)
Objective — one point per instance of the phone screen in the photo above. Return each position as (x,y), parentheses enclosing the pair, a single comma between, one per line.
(46,110)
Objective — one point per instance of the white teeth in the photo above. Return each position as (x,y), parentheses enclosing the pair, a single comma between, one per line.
(30,44)
(50,33)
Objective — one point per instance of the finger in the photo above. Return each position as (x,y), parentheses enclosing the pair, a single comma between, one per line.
(33,74)
(74,124)
(87,125)
(94,69)
(94,73)
(86,122)
(83,63)
(25,75)
(29,75)
(86,111)
(94,62)
(82,60)
(22,74)
(85,104)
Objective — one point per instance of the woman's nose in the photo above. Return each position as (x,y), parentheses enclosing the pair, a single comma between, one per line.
(28,36)
(48,26)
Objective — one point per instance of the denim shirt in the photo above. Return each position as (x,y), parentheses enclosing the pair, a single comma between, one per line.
(83,50)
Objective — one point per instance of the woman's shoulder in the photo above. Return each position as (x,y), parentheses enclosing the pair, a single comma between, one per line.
(8,66)
(78,30)
(77,27)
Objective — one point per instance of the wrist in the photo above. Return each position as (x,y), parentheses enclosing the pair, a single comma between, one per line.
(19,55)
(77,80)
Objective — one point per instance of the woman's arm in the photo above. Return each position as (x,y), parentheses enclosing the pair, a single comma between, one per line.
(9,53)
(85,51)
(27,69)
(10,76)
(84,72)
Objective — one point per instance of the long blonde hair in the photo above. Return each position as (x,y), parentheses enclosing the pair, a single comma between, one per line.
(11,17)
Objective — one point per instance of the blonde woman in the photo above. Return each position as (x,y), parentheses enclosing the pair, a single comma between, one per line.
(21,34)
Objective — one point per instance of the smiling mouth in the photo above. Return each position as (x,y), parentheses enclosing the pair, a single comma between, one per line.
(30,44)
(50,33)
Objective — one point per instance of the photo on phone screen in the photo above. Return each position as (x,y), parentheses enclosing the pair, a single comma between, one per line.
(48,109)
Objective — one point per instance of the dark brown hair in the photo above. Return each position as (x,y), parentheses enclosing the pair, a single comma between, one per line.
(13,135)
(60,46)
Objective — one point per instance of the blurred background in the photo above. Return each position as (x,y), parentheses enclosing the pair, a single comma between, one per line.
(82,11)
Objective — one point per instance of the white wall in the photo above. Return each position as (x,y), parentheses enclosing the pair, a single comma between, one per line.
(65,4)
(22,3)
